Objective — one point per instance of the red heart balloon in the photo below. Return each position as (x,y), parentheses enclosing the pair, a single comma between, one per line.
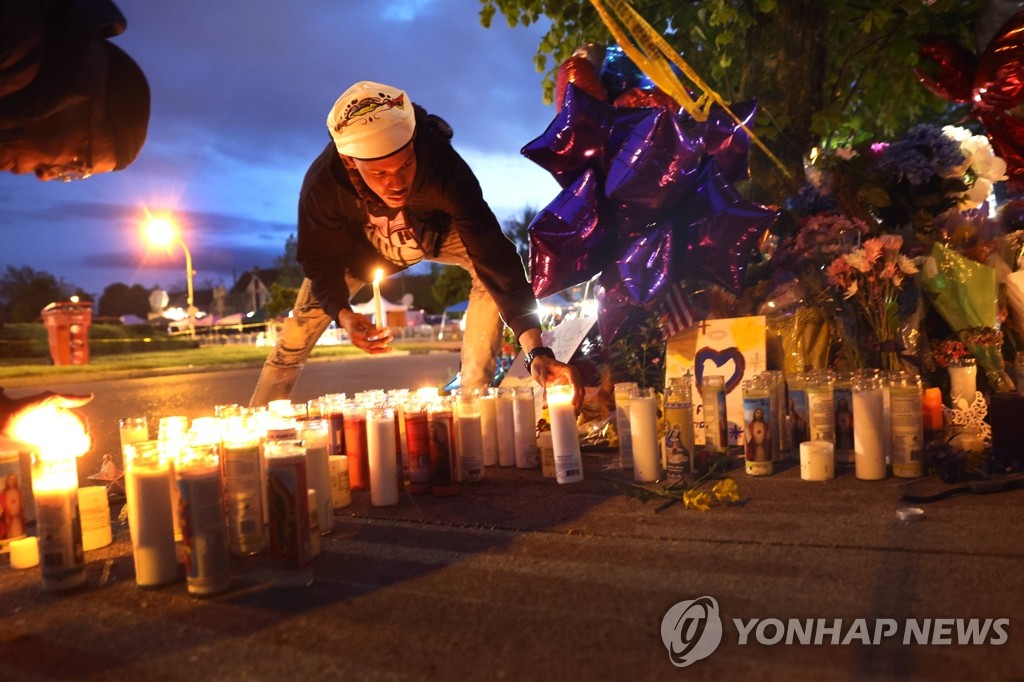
(999,78)
(946,69)
(580,72)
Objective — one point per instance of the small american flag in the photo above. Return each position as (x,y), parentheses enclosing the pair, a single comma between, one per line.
(678,312)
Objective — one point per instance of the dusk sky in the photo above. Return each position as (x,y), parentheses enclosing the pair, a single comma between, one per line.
(240,93)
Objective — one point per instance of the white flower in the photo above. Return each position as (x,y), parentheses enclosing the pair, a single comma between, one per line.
(906,265)
(976,195)
(956,133)
(858,260)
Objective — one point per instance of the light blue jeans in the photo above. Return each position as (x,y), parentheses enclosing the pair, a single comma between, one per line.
(302,329)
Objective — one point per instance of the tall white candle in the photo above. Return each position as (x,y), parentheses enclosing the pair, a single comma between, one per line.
(525,420)
(565,439)
(621,395)
(869,430)
(378,308)
(963,383)
(150,520)
(506,427)
(643,427)
(380,441)
(469,435)
(318,471)
(489,429)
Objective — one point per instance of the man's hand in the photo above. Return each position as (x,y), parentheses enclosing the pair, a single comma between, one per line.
(363,334)
(550,372)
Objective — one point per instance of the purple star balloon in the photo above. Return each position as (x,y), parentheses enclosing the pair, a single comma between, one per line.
(568,243)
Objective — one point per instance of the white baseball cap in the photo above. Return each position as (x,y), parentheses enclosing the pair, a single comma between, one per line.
(371,120)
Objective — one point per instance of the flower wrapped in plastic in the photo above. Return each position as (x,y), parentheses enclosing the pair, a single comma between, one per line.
(965,293)
(871,278)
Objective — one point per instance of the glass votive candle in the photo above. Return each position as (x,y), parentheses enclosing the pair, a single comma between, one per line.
(817,460)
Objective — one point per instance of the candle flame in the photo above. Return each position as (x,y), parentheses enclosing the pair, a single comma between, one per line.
(53,432)
(378,275)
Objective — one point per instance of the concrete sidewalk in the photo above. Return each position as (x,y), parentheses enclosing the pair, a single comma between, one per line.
(519,578)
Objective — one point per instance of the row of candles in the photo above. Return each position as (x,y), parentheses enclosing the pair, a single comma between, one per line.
(249,480)
(875,419)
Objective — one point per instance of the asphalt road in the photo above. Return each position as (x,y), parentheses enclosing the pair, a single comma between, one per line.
(518,578)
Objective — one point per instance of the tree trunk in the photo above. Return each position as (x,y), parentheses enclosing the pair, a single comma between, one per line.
(784,70)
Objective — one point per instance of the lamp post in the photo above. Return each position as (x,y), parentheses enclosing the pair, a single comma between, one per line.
(162,231)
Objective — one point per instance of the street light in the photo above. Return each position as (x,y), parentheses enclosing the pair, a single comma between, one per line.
(161,231)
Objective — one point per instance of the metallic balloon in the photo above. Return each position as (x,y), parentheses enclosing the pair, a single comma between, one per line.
(946,68)
(575,139)
(579,71)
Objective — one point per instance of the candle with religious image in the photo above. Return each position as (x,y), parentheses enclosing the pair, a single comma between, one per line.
(565,439)
(869,428)
(12,499)
(380,441)
(417,439)
(643,429)
(758,423)
(842,398)
(677,445)
(781,443)
(444,461)
(201,519)
(291,551)
(355,446)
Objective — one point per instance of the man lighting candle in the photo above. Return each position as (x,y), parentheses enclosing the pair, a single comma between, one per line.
(388,192)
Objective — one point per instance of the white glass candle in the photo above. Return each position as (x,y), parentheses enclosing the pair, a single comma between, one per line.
(817,460)
(565,439)
(621,396)
(469,435)
(963,383)
(525,419)
(133,430)
(94,509)
(243,489)
(868,428)
(505,413)
(489,429)
(643,428)
(291,551)
(147,483)
(380,440)
(315,438)
(906,416)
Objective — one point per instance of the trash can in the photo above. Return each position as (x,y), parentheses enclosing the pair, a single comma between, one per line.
(67,328)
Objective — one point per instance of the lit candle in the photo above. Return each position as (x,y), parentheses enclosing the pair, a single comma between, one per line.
(444,464)
(565,439)
(58,437)
(380,441)
(417,442)
(621,397)
(291,550)
(643,428)
(243,489)
(150,516)
(869,431)
(201,516)
(817,460)
(25,552)
(931,409)
(377,307)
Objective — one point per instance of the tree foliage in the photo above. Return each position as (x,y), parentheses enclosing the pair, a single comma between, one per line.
(24,292)
(824,72)
(517,229)
(451,285)
(120,299)
(289,272)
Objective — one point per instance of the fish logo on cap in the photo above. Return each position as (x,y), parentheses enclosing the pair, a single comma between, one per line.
(366,110)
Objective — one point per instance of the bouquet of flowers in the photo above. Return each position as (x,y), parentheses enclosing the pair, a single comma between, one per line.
(871,278)
(914,182)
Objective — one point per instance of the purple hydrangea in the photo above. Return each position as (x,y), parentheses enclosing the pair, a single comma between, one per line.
(922,154)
